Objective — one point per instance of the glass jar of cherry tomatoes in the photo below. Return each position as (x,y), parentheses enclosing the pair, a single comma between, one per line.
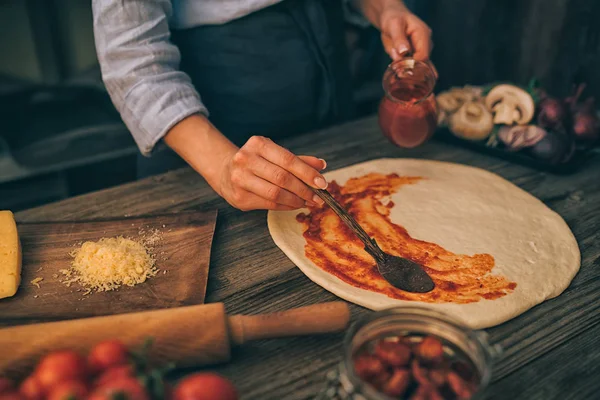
(408,111)
(412,353)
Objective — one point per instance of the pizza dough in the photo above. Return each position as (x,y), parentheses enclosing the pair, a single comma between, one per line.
(466,211)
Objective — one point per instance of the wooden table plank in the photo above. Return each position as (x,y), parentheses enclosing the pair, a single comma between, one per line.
(550,351)
(570,371)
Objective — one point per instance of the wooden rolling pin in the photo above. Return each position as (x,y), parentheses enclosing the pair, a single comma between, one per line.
(188,336)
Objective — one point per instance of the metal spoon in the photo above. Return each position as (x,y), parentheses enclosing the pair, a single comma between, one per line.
(399,272)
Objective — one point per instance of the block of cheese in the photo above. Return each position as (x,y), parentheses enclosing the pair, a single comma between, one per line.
(10,255)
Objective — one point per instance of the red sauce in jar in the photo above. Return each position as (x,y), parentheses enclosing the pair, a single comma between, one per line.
(408,112)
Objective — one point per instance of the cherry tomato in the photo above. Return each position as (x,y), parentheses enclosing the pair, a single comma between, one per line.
(128,387)
(115,373)
(6,385)
(205,386)
(61,366)
(68,390)
(107,354)
(32,389)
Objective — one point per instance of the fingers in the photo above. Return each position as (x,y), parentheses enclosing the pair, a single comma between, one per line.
(288,161)
(283,179)
(388,46)
(263,175)
(403,34)
(421,41)
(396,32)
(317,163)
(272,193)
(248,201)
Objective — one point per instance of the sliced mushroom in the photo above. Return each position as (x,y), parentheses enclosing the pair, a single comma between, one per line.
(510,105)
(472,121)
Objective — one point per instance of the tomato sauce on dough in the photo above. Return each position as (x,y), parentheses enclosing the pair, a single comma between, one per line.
(333,247)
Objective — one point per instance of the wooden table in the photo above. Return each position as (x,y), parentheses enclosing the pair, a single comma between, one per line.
(551,352)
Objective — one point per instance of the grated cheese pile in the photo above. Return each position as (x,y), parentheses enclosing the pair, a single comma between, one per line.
(110,263)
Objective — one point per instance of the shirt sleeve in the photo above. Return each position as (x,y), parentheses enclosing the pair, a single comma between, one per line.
(140,68)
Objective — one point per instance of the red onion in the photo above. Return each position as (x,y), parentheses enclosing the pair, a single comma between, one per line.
(586,123)
(586,126)
(572,101)
(552,113)
(554,148)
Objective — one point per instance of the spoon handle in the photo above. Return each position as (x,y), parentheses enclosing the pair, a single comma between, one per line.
(370,245)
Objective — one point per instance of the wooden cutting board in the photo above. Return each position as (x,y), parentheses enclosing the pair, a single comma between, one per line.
(182,250)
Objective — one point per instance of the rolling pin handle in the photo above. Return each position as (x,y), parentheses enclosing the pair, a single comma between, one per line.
(315,319)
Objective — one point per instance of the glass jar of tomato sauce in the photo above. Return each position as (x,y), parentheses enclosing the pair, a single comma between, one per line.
(461,352)
(408,111)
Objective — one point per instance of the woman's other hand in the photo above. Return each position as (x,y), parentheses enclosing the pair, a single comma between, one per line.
(264,175)
(403,32)
(260,175)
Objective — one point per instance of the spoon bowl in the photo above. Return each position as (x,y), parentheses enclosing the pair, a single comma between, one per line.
(400,272)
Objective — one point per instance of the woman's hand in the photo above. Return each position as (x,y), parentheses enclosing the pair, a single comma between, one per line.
(402,32)
(263,175)
(260,175)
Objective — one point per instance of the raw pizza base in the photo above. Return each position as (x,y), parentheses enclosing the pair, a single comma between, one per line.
(466,210)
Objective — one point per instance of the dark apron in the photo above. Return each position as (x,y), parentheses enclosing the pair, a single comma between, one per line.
(278,72)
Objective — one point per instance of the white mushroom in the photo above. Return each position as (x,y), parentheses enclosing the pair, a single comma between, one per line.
(472,121)
(475,91)
(510,105)
(448,102)
(451,100)
(461,95)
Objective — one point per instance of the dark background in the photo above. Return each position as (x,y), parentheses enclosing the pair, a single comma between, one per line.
(60,136)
